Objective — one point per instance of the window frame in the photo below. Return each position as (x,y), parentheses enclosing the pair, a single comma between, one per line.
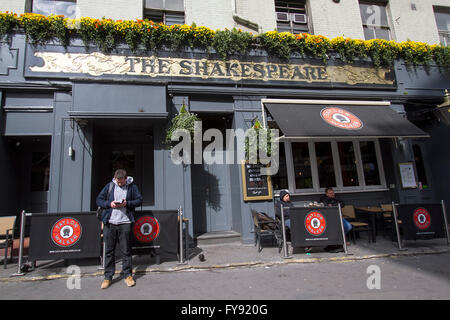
(442,34)
(288,9)
(30,5)
(374,27)
(362,187)
(164,13)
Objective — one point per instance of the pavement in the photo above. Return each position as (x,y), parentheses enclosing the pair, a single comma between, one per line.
(228,256)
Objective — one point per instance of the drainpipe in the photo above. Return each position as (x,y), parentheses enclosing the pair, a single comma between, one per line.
(247,23)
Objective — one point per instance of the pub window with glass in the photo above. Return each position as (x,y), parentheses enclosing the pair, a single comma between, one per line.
(165,12)
(375,21)
(291,17)
(346,165)
(442,16)
(67,8)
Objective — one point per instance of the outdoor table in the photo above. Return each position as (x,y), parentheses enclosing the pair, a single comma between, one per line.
(371,213)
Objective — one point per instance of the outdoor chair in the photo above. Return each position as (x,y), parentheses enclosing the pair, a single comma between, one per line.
(388,220)
(348,212)
(265,227)
(7,236)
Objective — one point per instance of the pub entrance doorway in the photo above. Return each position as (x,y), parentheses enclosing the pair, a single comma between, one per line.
(123,144)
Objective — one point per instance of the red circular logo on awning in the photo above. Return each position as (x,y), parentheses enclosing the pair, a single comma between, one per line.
(146,229)
(315,223)
(422,218)
(341,118)
(66,232)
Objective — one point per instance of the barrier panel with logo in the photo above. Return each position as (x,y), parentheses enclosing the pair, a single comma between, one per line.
(156,230)
(315,227)
(422,221)
(64,235)
(76,235)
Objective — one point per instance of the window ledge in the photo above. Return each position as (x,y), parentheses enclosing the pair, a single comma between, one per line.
(381,189)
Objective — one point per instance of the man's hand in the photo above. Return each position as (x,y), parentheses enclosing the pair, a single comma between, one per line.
(114,204)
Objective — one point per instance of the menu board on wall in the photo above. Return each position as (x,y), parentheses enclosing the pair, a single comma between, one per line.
(407,175)
(255,186)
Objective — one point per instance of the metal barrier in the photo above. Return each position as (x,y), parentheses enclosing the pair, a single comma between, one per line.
(285,248)
(317,227)
(180,226)
(183,243)
(420,222)
(21,244)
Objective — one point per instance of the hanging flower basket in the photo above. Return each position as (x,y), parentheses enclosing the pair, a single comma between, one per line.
(184,121)
(255,141)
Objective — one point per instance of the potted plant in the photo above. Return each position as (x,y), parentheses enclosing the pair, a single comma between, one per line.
(184,120)
(255,141)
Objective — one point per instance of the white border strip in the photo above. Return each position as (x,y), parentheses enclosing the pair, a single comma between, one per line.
(346,102)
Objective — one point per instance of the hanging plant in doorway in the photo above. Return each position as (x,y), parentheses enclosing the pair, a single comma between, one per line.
(184,120)
(254,141)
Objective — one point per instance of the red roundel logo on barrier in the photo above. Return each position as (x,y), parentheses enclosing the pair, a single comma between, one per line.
(146,229)
(422,218)
(315,223)
(341,118)
(66,232)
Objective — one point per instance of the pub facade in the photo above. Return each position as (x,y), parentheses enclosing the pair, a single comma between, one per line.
(72,115)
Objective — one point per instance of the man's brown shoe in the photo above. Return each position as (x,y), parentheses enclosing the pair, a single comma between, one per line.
(105,284)
(130,281)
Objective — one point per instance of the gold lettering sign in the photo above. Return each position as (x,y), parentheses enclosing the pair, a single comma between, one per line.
(98,64)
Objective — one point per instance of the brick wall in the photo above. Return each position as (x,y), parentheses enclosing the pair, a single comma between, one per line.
(16,6)
(332,19)
(418,24)
(113,9)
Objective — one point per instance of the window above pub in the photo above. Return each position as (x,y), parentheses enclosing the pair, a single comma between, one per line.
(442,16)
(169,12)
(375,21)
(291,16)
(54,7)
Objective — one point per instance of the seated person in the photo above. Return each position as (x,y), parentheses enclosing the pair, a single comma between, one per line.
(285,200)
(329,200)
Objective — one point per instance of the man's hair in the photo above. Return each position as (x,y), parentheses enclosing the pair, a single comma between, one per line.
(328,188)
(120,174)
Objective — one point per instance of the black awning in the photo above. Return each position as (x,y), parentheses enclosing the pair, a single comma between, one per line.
(324,120)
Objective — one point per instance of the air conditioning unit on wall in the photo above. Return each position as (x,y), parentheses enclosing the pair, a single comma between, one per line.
(282,16)
(299,18)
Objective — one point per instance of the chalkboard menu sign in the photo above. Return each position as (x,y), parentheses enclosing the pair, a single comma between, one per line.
(255,186)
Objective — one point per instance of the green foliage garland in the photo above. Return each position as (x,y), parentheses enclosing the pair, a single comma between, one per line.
(145,34)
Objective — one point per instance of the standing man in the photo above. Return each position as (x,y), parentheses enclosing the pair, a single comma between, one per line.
(119,198)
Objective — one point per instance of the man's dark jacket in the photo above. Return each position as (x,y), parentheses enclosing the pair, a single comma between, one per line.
(327,201)
(134,199)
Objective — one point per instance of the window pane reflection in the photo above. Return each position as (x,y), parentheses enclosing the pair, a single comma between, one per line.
(370,164)
(280,180)
(348,164)
(302,165)
(59,7)
(325,167)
